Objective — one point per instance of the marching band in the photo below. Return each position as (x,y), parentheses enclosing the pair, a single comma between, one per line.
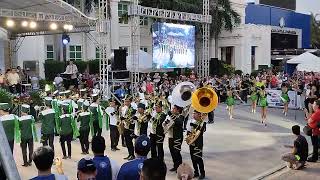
(157,115)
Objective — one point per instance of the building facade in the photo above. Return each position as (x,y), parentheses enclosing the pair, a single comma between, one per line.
(246,48)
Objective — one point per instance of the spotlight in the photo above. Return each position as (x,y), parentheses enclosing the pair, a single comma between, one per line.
(10,23)
(33,25)
(65,39)
(24,23)
(53,26)
(68,27)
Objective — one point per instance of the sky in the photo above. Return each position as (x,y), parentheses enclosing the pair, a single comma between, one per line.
(306,6)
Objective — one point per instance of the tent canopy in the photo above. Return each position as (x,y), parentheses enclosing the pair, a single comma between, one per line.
(309,67)
(305,58)
(43,12)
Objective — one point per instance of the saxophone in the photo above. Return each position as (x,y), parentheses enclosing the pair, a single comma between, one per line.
(169,122)
(128,118)
(195,133)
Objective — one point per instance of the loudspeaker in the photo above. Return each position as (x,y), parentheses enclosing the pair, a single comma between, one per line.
(213,66)
(119,60)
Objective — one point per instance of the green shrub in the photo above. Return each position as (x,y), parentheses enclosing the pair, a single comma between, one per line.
(94,66)
(36,98)
(81,65)
(5,96)
(238,72)
(52,68)
(255,73)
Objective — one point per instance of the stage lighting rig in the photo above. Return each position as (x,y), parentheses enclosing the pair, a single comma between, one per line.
(10,23)
(65,39)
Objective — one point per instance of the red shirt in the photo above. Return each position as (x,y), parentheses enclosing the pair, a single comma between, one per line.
(315,119)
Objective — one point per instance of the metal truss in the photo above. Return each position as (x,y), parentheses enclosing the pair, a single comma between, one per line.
(205,19)
(205,60)
(71,9)
(136,9)
(41,33)
(135,47)
(104,47)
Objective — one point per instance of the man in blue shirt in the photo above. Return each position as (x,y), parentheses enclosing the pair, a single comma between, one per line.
(43,159)
(131,170)
(106,168)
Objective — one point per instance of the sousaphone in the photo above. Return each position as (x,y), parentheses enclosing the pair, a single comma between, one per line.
(181,96)
(204,100)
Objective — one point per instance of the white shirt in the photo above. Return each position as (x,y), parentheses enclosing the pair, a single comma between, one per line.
(113,118)
(13,78)
(72,69)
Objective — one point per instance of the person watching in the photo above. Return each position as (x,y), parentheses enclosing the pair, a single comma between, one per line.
(107,169)
(13,81)
(86,169)
(153,169)
(299,153)
(313,122)
(131,169)
(43,159)
(73,71)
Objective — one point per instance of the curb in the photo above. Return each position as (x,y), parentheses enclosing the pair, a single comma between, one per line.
(269,172)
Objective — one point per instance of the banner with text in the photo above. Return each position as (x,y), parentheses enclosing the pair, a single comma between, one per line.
(274,99)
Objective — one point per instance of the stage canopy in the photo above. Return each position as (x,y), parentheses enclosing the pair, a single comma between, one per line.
(305,58)
(43,13)
(315,67)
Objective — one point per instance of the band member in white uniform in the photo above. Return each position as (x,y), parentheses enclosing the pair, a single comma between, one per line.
(113,120)
(198,123)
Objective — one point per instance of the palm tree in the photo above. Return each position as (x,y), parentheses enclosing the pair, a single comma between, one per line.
(223,16)
(315,32)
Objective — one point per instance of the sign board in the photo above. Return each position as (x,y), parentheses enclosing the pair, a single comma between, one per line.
(274,99)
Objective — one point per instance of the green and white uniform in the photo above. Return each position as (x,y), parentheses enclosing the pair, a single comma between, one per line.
(28,135)
(10,125)
(48,126)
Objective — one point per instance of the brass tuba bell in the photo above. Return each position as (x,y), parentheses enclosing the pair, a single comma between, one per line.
(204,100)
(182,93)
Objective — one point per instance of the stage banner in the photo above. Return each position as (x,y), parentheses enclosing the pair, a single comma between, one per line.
(274,99)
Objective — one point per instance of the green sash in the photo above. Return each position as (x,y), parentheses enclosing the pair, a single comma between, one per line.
(74,127)
(17,133)
(107,122)
(91,125)
(34,131)
(100,116)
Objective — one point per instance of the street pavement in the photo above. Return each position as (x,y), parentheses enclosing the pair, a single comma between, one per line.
(236,149)
(310,172)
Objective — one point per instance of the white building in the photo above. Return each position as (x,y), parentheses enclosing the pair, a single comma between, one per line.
(247,47)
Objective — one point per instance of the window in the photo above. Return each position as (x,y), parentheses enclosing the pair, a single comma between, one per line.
(50,52)
(75,53)
(123,13)
(145,49)
(143,21)
(97,53)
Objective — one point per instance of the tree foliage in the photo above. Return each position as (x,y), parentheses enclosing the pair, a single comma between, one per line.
(315,32)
